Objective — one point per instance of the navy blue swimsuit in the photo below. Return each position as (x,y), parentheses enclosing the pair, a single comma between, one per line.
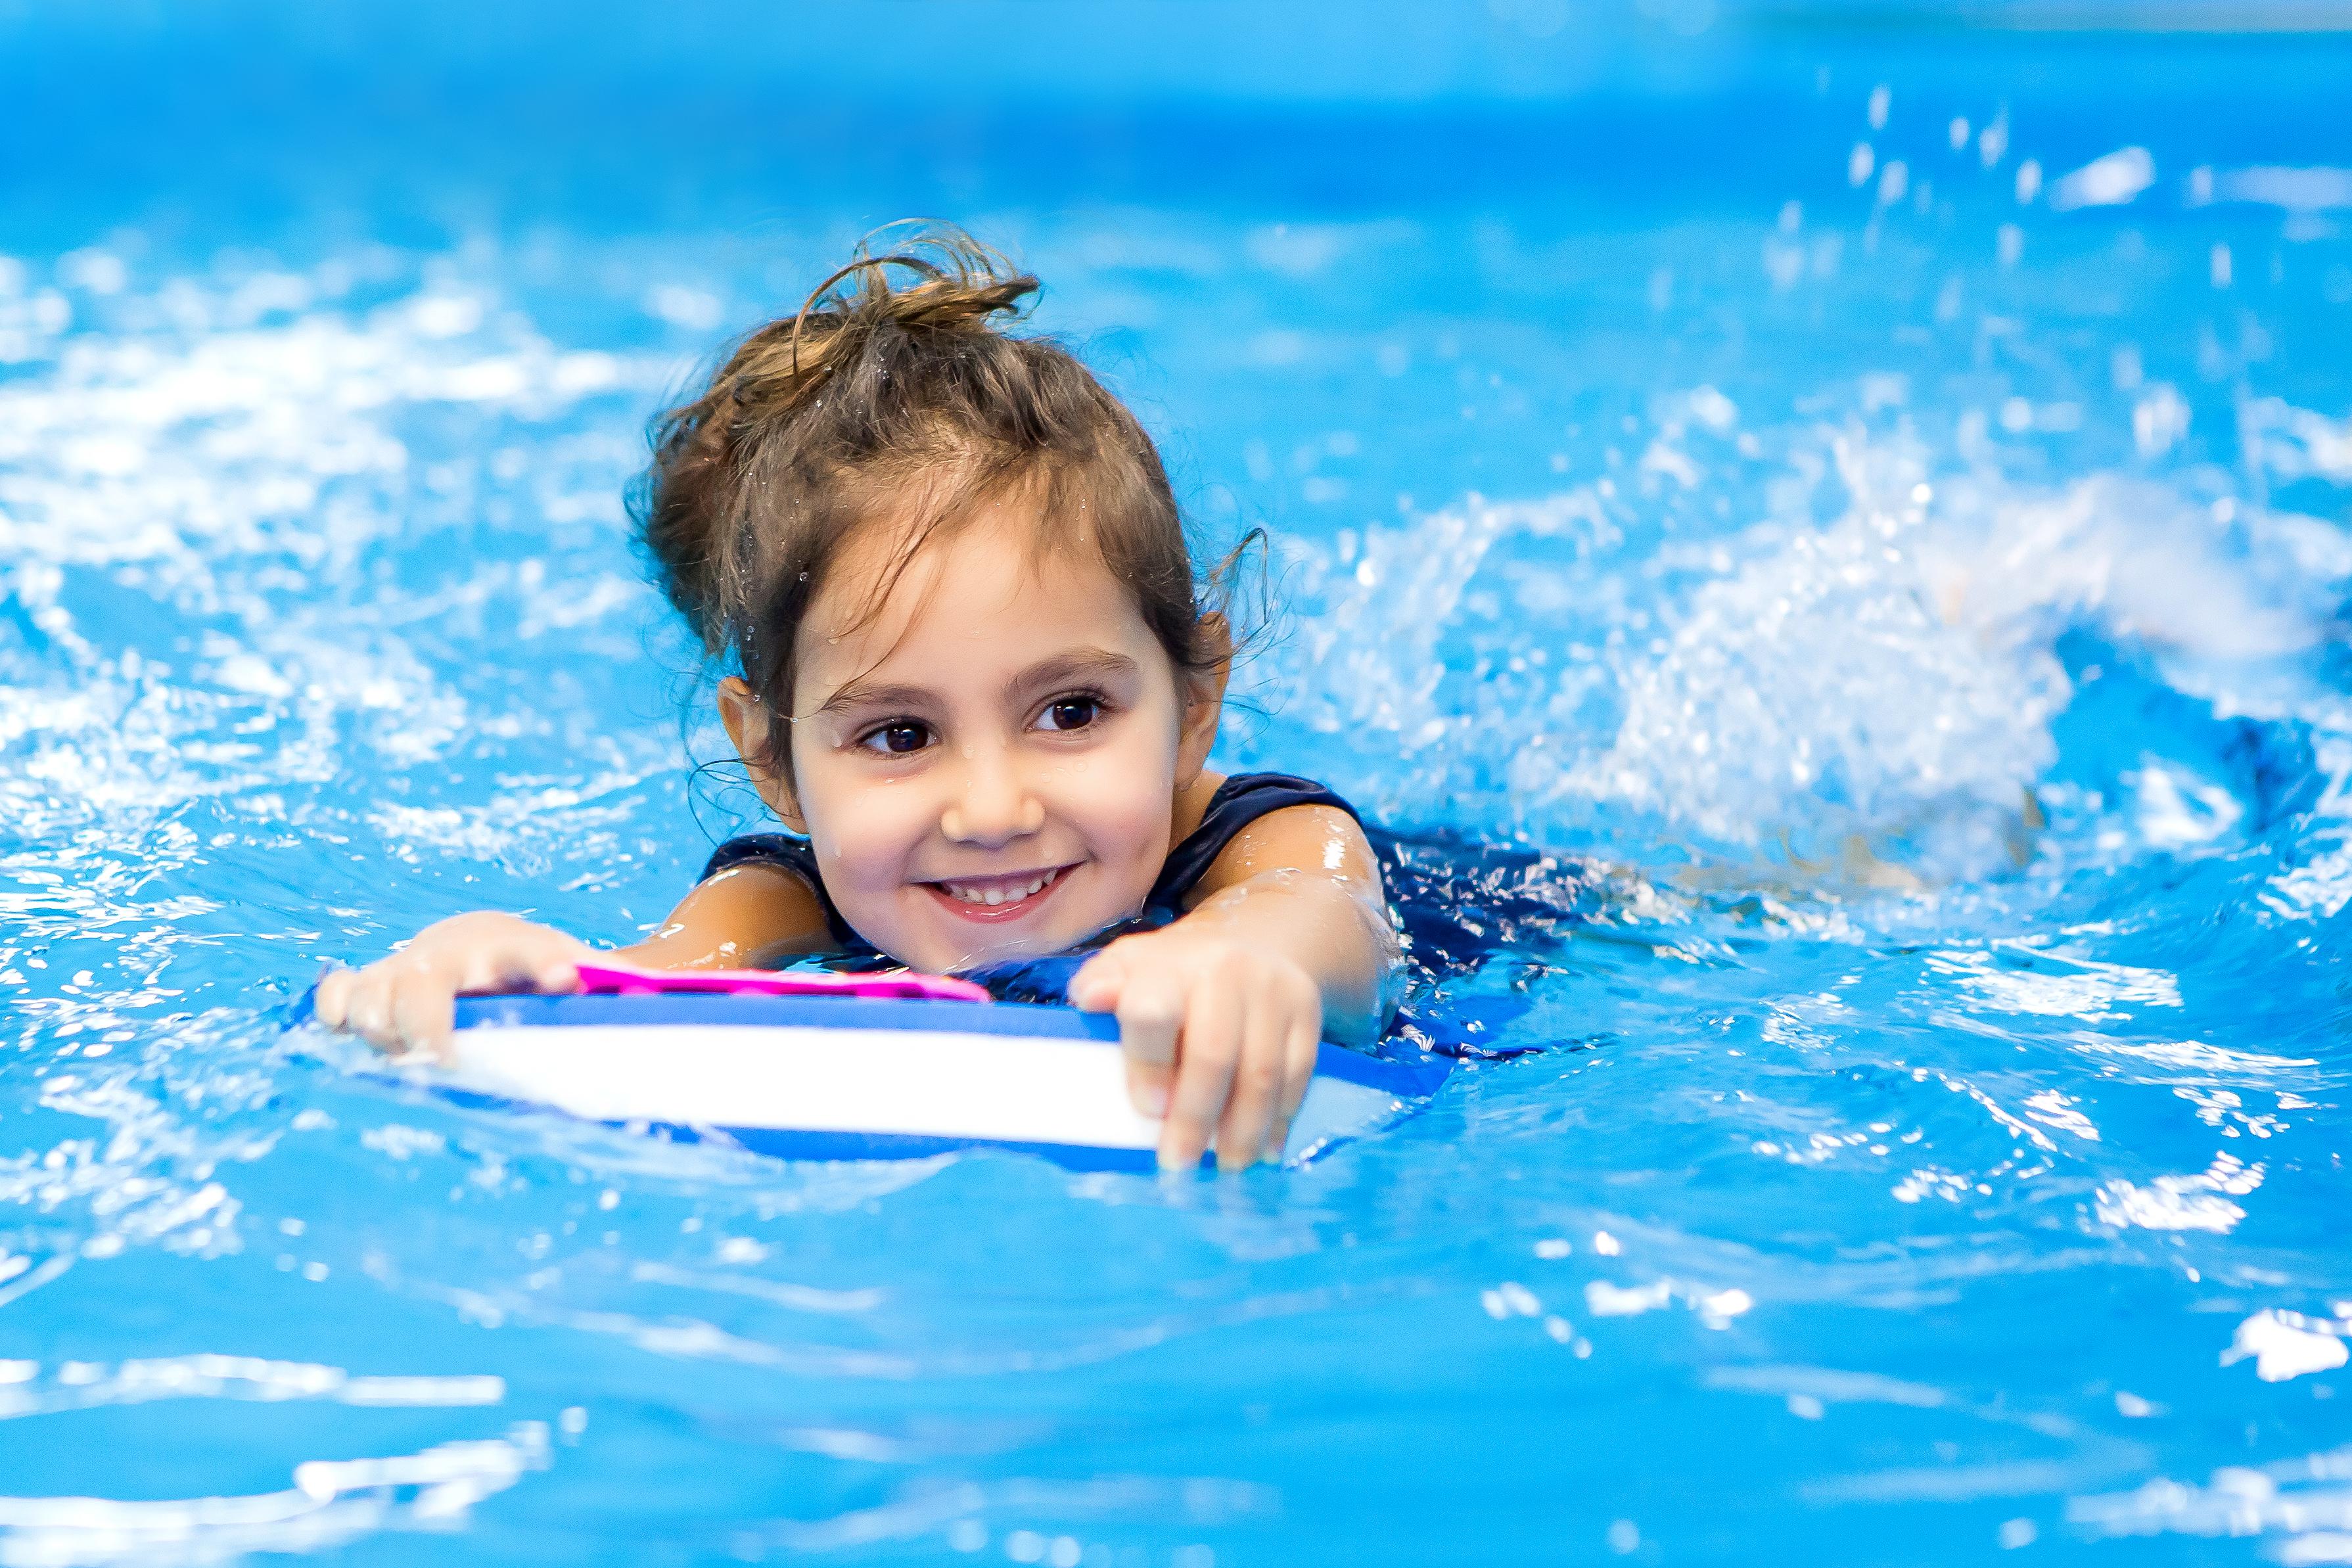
(1438,888)
(1238,802)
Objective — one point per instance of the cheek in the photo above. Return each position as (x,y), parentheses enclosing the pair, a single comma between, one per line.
(862,829)
(1120,800)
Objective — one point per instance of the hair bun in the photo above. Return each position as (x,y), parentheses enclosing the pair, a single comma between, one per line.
(959,284)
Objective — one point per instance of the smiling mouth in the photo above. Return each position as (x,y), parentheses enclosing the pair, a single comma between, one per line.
(1002,897)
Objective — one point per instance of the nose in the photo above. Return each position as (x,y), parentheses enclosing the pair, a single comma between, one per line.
(995,805)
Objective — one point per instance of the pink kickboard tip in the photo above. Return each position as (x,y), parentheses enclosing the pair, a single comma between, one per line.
(631,982)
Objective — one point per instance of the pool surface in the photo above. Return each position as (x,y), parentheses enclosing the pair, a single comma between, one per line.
(1823,535)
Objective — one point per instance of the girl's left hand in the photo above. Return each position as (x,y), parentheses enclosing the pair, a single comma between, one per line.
(1220,1039)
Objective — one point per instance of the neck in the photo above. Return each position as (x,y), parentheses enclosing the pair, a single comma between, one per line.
(1191,804)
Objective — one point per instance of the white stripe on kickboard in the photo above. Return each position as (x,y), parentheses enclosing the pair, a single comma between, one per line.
(1002,1088)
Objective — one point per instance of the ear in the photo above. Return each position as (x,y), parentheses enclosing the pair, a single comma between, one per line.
(1204,702)
(748,728)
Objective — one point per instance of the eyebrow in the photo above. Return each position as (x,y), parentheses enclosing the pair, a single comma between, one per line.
(869,694)
(1100,664)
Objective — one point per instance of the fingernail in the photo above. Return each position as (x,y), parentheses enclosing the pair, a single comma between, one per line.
(1151,1100)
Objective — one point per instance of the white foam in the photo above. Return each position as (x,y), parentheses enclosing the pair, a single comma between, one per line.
(2303,1506)
(82,1386)
(2112,181)
(2181,1203)
(2288,1344)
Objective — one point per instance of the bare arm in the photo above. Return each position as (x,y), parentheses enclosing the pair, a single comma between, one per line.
(1287,938)
(745,912)
(408,1001)
(1303,882)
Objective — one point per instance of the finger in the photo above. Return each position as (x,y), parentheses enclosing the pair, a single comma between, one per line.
(556,972)
(1258,1083)
(1204,1072)
(334,993)
(547,962)
(424,1010)
(369,1010)
(1298,1076)
(1150,1015)
(491,971)
(1095,988)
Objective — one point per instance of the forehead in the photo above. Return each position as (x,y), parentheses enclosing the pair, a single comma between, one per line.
(983,596)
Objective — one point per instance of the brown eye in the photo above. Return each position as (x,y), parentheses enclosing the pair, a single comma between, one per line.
(899,739)
(1069,713)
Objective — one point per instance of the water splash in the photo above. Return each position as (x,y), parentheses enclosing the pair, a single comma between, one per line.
(1887,683)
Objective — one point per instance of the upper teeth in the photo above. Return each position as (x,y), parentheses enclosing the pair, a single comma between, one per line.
(998,893)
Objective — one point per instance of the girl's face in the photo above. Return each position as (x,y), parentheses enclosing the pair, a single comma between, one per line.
(987,767)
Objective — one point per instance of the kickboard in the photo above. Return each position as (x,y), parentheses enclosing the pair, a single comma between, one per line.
(821,1076)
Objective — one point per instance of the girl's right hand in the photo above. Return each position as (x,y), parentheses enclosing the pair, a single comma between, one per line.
(407,1002)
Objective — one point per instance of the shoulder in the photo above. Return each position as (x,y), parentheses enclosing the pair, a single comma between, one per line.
(745,904)
(776,873)
(1213,809)
(1308,835)
(1261,823)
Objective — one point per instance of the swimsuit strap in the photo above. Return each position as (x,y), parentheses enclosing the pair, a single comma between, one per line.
(1238,802)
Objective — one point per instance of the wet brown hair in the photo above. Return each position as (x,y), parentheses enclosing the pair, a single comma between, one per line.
(894,394)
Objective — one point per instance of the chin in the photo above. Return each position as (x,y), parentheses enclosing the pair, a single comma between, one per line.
(999,947)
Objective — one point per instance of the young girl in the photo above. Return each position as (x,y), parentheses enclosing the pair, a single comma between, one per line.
(978,685)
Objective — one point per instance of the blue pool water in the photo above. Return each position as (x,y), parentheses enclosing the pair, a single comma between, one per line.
(1824,534)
